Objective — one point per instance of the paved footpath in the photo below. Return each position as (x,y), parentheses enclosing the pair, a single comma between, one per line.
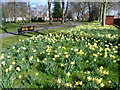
(2,35)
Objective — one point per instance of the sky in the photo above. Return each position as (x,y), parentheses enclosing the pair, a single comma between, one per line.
(67,0)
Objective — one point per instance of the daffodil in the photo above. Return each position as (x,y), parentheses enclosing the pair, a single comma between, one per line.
(53,59)
(20,76)
(68,74)
(31,58)
(95,60)
(81,83)
(3,62)
(75,49)
(68,85)
(101,68)
(56,56)
(38,60)
(58,80)
(95,55)
(23,59)
(6,70)
(13,63)
(102,85)
(109,81)
(65,52)
(62,65)
(98,80)
(76,83)
(10,68)
(36,74)
(18,68)
(89,78)
(72,63)
(2,56)
(66,56)
(8,56)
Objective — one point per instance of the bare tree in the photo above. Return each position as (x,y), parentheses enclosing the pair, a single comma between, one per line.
(14,11)
(63,11)
(29,11)
(80,8)
(66,11)
(77,8)
(50,15)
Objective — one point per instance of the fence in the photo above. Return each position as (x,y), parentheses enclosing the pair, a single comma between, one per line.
(117,22)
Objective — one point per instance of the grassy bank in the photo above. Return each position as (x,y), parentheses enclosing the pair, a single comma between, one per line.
(81,57)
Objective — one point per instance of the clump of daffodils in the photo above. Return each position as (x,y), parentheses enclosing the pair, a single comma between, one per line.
(2,56)
(80,52)
(79,83)
(98,80)
(102,85)
(102,71)
(68,85)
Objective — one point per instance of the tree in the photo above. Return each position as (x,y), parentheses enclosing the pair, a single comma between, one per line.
(63,11)
(29,11)
(50,15)
(15,12)
(69,16)
(79,9)
(66,12)
(104,13)
(100,16)
(94,11)
(57,10)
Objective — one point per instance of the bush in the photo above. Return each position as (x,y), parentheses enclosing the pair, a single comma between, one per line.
(37,20)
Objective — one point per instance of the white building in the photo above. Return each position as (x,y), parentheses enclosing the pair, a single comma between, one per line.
(13,19)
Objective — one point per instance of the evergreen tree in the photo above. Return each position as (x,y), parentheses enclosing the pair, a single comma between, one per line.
(57,10)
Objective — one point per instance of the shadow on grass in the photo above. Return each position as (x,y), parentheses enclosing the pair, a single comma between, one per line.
(30,34)
(39,33)
(14,33)
(4,29)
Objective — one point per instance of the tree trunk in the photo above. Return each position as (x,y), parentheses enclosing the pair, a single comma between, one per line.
(29,11)
(63,10)
(78,16)
(50,15)
(100,17)
(14,11)
(22,13)
(89,7)
(104,13)
(66,11)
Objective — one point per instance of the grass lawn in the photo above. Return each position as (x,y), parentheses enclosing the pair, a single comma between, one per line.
(14,39)
(10,27)
(81,57)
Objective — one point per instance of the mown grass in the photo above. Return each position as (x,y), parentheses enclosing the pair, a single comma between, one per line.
(11,27)
(14,39)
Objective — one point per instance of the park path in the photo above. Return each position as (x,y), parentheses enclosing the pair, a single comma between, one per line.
(8,34)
